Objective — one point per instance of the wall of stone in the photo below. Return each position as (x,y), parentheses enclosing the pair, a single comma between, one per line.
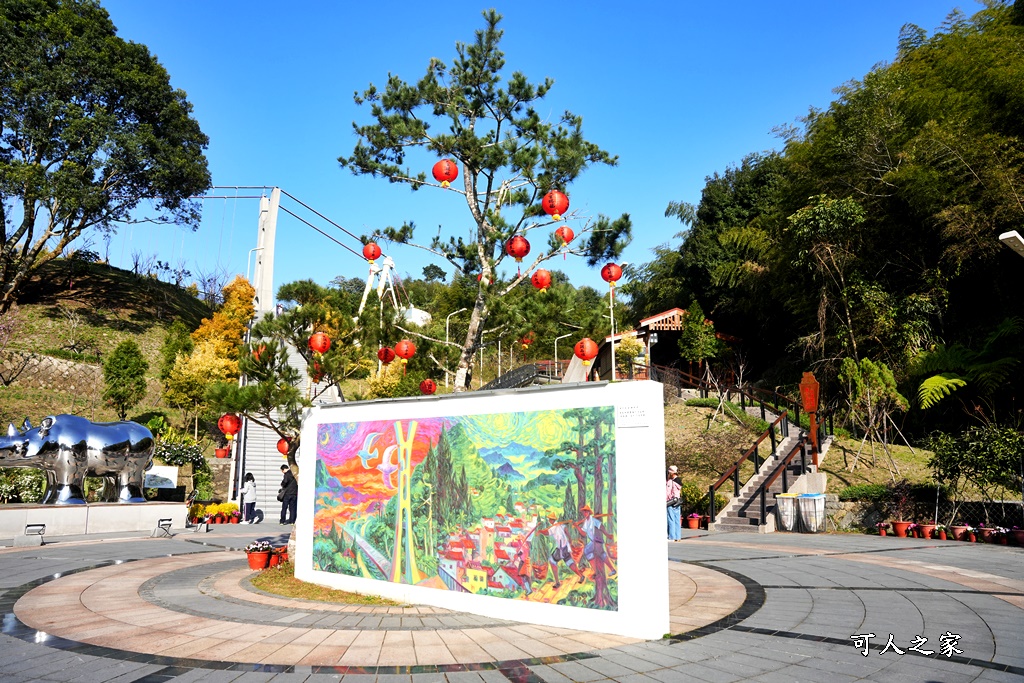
(45,372)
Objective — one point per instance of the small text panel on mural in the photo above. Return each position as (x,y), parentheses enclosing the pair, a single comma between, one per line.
(631,416)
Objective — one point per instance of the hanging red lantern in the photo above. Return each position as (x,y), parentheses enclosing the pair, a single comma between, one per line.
(541,279)
(405,350)
(555,204)
(526,341)
(282,446)
(385,355)
(517,247)
(585,350)
(319,343)
(428,386)
(565,234)
(229,424)
(371,251)
(445,171)
(610,273)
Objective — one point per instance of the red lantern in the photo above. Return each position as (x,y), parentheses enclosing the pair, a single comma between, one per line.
(565,234)
(371,251)
(405,350)
(282,446)
(541,279)
(525,342)
(517,247)
(386,355)
(319,343)
(610,273)
(229,424)
(555,204)
(585,350)
(445,171)
(428,386)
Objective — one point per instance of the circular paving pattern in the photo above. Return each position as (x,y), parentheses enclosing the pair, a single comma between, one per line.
(201,608)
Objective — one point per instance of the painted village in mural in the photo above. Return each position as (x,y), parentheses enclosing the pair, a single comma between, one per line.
(512,505)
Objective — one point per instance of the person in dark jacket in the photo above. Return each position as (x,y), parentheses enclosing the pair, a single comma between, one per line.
(290,487)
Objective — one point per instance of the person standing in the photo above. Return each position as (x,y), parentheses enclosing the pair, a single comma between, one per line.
(672,489)
(289,495)
(249,499)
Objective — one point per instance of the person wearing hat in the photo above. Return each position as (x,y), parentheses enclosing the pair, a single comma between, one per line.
(672,489)
(562,550)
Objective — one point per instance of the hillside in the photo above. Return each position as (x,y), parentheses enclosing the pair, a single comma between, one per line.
(80,312)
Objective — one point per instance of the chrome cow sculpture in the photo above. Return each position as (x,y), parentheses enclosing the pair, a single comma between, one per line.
(67,447)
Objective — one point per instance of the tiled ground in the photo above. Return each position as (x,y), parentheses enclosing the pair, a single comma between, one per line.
(780,607)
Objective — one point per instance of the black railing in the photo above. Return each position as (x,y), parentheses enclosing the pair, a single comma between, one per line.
(783,471)
(753,453)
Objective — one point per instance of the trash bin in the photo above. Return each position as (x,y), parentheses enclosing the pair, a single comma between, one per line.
(812,512)
(785,511)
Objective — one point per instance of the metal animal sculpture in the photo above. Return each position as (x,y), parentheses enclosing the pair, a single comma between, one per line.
(67,447)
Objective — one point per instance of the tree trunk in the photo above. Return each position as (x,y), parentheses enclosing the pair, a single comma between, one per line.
(464,373)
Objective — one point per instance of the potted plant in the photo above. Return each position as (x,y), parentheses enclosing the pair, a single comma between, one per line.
(1001,535)
(258,554)
(900,505)
(959,532)
(235,516)
(970,533)
(693,521)
(940,531)
(912,529)
(882,528)
(984,533)
(1018,535)
(926,530)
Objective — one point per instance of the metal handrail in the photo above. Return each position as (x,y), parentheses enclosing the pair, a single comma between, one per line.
(782,421)
(782,470)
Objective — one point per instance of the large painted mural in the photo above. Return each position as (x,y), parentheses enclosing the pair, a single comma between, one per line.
(514,505)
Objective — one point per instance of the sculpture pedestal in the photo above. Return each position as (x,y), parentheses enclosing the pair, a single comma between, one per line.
(95,518)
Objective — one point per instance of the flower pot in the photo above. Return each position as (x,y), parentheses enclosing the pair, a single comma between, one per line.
(1003,540)
(275,559)
(234,520)
(1018,536)
(258,560)
(221,452)
(971,537)
(900,528)
(985,536)
(283,552)
(942,535)
(927,530)
(881,532)
(959,532)
(704,521)
(693,522)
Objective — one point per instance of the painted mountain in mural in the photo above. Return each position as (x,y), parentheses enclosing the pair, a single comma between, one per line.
(506,471)
(527,461)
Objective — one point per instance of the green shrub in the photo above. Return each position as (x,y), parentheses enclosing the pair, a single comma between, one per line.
(867,492)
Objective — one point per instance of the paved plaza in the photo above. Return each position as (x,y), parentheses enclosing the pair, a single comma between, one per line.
(744,607)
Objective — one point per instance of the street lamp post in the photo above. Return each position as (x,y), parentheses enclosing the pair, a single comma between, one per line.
(1013,240)
(448,318)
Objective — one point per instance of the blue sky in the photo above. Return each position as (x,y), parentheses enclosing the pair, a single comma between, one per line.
(678,90)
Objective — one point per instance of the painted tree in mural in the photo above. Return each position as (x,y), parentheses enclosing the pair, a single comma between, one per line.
(508,155)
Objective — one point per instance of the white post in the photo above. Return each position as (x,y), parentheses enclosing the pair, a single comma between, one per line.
(611,315)
(568,334)
(263,274)
(446,320)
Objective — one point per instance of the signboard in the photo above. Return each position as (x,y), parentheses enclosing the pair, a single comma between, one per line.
(540,504)
(161,477)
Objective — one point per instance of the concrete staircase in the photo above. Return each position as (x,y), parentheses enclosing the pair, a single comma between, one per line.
(743,513)
(259,446)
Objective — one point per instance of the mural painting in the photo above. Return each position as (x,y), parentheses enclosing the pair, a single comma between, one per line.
(513,505)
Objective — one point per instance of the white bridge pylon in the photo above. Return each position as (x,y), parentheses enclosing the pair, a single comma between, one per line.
(385,283)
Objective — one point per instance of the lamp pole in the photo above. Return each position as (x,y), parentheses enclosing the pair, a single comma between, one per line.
(448,318)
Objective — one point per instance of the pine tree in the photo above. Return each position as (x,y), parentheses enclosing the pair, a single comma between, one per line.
(124,373)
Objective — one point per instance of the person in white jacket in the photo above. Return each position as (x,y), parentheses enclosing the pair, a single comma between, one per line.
(249,499)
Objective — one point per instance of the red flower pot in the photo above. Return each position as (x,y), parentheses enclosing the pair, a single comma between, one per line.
(234,520)
(942,535)
(221,452)
(959,532)
(258,560)
(927,530)
(693,522)
(275,559)
(283,552)
(900,528)
(881,532)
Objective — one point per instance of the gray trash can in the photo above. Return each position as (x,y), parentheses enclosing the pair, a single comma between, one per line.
(812,512)
(785,511)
